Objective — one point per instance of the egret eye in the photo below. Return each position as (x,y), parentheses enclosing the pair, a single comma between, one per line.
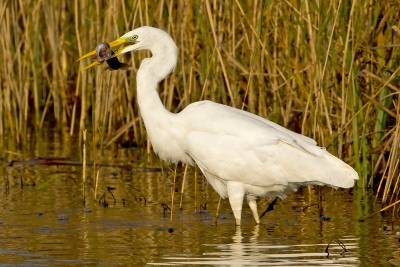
(134,37)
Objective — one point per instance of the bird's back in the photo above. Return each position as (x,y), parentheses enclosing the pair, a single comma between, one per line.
(235,145)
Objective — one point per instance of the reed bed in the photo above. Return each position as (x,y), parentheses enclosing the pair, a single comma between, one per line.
(326,69)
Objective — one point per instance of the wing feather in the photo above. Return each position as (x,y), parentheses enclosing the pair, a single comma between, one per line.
(274,162)
(240,146)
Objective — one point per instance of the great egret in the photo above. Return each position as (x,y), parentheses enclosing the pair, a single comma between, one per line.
(242,155)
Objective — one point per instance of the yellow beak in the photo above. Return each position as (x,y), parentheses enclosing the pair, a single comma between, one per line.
(120,41)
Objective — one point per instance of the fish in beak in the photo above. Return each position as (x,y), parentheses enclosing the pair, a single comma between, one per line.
(104,53)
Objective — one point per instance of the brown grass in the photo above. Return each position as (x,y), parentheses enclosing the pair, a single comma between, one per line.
(327,69)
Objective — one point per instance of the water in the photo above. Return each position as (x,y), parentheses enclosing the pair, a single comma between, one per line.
(43,221)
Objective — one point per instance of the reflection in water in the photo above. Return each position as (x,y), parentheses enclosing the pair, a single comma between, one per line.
(130,232)
(253,253)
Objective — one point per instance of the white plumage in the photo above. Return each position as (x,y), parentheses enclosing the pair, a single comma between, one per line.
(243,156)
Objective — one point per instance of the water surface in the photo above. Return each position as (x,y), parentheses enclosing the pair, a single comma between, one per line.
(44,222)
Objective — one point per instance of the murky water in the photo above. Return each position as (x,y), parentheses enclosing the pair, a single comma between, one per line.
(43,221)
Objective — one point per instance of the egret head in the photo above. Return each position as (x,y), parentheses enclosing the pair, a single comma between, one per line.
(141,38)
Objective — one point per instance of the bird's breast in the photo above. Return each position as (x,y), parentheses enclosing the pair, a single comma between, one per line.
(168,146)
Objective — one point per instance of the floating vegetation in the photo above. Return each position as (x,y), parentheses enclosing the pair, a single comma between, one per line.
(63,217)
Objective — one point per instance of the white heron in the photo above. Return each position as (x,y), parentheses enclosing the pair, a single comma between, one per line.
(242,155)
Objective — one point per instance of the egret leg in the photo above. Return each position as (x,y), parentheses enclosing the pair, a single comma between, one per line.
(236,195)
(253,206)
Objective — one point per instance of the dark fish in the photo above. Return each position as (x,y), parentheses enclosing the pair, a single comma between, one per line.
(104,53)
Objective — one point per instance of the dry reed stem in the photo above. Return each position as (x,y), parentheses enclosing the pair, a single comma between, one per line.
(379,211)
(183,186)
(315,67)
(173,193)
(84,166)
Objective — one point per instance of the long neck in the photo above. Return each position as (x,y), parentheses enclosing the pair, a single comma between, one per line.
(151,72)
(149,101)
(160,123)
(155,69)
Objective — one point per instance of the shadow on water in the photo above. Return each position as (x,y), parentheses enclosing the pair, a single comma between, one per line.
(43,221)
